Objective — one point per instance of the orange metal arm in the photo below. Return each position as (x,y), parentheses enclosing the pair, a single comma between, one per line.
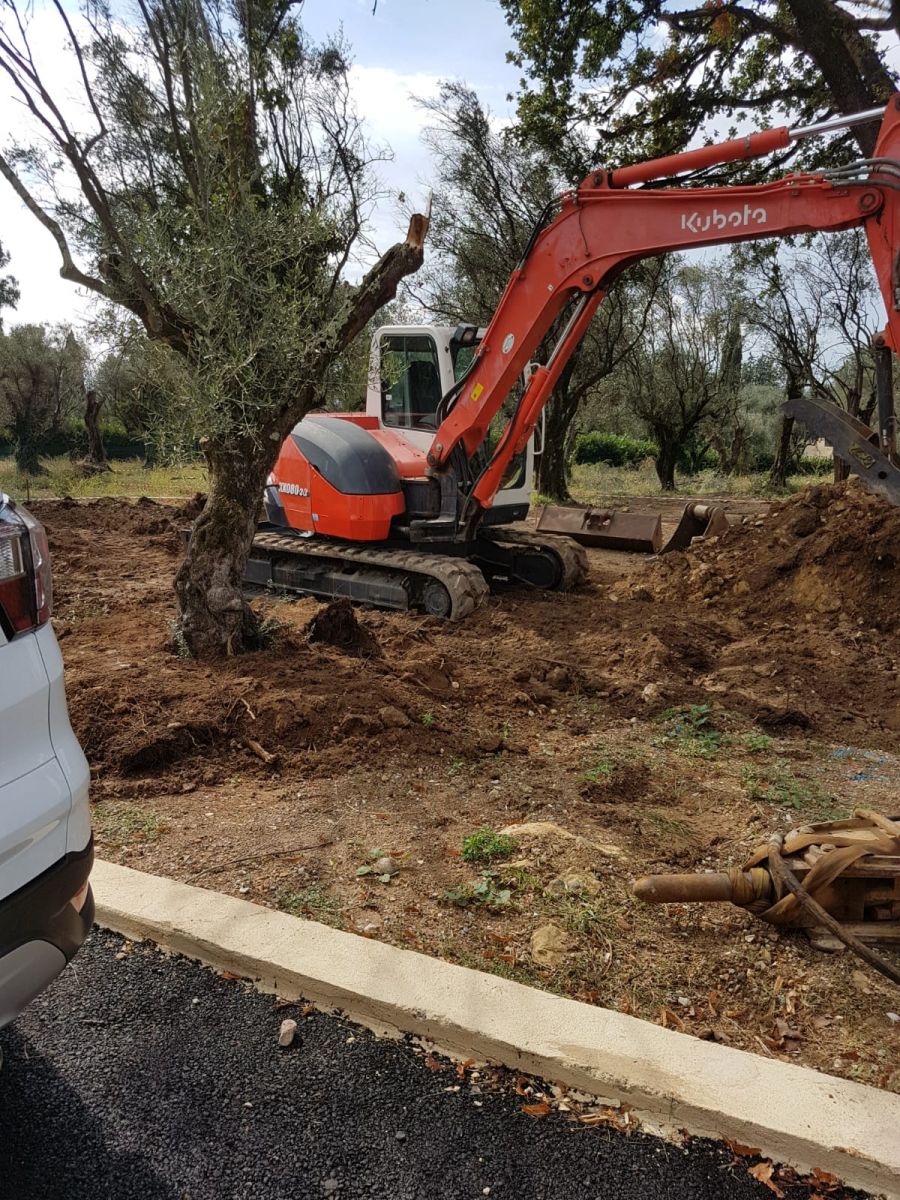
(602,228)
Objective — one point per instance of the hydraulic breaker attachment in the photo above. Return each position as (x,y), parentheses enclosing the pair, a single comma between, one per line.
(838,880)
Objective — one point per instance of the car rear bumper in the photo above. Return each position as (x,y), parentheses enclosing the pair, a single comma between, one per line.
(41,929)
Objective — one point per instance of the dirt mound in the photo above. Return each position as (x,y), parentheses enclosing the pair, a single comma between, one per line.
(830,552)
(336,625)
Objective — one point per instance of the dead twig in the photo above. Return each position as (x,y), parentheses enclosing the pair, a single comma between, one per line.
(259,750)
(237,862)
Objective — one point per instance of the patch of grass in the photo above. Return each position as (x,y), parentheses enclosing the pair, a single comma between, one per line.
(591,482)
(692,730)
(263,633)
(128,477)
(456,767)
(484,845)
(428,718)
(602,770)
(81,607)
(124,824)
(756,743)
(313,901)
(666,824)
(779,785)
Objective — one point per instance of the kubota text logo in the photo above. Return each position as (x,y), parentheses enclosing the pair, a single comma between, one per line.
(739,218)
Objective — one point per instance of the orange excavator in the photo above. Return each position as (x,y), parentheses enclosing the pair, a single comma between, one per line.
(355,507)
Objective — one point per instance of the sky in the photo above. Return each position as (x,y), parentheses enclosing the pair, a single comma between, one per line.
(401,51)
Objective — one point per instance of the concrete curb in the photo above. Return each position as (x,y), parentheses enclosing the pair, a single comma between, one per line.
(792,1114)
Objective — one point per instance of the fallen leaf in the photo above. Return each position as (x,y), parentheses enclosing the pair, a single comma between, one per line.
(763,1172)
(231,975)
(462,1067)
(667,1018)
(432,1063)
(537,1110)
(522,1086)
(825,1178)
(740,1150)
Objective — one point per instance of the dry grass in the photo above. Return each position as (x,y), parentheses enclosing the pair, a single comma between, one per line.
(591,481)
(128,477)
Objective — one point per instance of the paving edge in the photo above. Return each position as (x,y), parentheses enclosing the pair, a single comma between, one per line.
(794,1115)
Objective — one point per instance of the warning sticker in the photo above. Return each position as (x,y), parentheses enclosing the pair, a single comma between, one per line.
(476,391)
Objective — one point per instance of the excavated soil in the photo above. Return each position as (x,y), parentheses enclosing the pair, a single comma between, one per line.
(666,716)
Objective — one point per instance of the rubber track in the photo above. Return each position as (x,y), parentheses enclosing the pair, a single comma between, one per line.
(462,579)
(573,557)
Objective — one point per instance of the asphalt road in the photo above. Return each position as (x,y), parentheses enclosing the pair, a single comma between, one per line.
(154,1078)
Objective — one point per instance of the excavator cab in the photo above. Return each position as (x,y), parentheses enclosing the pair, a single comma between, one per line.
(411,367)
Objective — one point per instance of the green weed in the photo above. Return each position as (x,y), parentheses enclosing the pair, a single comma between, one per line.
(484,891)
(122,824)
(691,729)
(602,770)
(756,743)
(428,718)
(484,845)
(313,901)
(779,785)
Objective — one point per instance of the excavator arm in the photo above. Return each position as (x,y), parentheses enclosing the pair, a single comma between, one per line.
(608,223)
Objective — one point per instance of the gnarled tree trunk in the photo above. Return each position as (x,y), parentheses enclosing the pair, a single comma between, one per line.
(551,469)
(665,464)
(96,459)
(215,617)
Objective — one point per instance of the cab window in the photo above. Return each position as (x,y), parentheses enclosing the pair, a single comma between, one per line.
(410,381)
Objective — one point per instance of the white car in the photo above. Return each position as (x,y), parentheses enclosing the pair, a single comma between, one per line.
(46,849)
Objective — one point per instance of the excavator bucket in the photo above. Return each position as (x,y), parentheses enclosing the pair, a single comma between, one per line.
(641,532)
(598,527)
(697,521)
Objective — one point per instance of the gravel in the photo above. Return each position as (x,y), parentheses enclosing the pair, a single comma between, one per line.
(152,1077)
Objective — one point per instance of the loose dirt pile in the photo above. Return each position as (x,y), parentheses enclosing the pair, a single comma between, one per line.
(662,717)
(831,552)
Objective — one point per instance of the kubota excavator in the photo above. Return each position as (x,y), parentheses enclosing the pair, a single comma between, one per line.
(396,507)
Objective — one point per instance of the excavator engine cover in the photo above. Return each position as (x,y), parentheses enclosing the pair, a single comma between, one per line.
(334,478)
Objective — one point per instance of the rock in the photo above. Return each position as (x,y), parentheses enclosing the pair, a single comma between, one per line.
(287,1032)
(360,724)
(574,883)
(385,866)
(392,717)
(893,1017)
(741,588)
(861,982)
(560,679)
(651,693)
(400,1135)
(547,831)
(549,945)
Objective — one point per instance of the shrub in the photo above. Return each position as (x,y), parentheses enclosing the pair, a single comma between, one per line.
(614,449)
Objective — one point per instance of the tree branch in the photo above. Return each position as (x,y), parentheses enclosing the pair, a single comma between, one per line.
(68,270)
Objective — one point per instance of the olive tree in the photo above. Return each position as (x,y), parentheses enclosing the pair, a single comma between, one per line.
(213,180)
(41,383)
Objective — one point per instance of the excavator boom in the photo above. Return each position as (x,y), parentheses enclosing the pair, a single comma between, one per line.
(604,226)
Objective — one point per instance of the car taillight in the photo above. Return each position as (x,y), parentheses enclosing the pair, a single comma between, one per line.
(26,594)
